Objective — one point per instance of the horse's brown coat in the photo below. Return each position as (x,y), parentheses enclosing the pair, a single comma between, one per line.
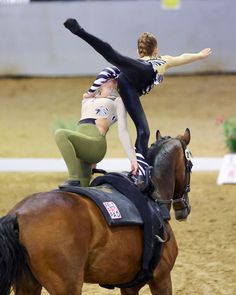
(69,242)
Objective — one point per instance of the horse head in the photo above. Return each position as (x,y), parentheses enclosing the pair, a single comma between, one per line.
(172,165)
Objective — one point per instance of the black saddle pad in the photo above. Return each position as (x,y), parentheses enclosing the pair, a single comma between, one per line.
(116,208)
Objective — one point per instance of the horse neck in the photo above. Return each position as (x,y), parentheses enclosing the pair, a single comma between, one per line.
(168,172)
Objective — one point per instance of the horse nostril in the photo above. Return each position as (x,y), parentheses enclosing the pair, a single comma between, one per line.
(182,214)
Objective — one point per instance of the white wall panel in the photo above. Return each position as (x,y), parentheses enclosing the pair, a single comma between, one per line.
(33,40)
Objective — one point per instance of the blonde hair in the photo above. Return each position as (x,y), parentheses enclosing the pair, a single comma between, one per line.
(147,42)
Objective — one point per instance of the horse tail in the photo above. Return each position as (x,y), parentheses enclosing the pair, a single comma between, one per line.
(13,255)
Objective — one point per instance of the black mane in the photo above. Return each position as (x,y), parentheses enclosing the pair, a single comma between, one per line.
(154,148)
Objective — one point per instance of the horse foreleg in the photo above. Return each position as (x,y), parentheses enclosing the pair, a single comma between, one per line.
(161,287)
(161,283)
(131,291)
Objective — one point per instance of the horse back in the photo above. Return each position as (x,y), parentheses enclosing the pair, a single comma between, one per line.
(54,223)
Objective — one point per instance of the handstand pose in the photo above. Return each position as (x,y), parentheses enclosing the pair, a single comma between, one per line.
(87,145)
(134,77)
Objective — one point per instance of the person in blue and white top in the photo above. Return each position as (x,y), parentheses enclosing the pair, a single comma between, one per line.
(134,78)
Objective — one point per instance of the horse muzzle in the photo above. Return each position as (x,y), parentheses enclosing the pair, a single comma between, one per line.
(181,208)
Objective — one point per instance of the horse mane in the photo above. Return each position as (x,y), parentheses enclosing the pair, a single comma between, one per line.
(154,148)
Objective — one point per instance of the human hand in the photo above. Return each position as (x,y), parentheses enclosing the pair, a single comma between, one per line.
(72,25)
(205,53)
(94,166)
(88,95)
(134,167)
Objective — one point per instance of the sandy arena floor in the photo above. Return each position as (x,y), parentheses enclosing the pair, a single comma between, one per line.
(207,241)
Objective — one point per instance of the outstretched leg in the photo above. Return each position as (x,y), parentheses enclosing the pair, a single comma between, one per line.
(139,73)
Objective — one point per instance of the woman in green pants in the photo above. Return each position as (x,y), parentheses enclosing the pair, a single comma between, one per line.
(87,145)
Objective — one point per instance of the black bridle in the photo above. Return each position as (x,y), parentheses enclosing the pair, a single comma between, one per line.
(181,203)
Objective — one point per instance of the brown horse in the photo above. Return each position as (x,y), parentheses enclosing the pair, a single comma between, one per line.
(59,240)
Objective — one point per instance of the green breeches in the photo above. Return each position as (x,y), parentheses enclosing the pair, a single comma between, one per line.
(80,149)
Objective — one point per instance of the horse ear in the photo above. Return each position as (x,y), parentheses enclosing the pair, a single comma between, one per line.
(186,137)
(158,135)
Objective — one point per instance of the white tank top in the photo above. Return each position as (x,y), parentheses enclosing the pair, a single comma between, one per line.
(99,107)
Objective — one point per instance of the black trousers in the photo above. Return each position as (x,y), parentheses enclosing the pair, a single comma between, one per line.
(135,76)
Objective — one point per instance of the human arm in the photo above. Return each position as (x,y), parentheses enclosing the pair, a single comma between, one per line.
(186,58)
(124,135)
